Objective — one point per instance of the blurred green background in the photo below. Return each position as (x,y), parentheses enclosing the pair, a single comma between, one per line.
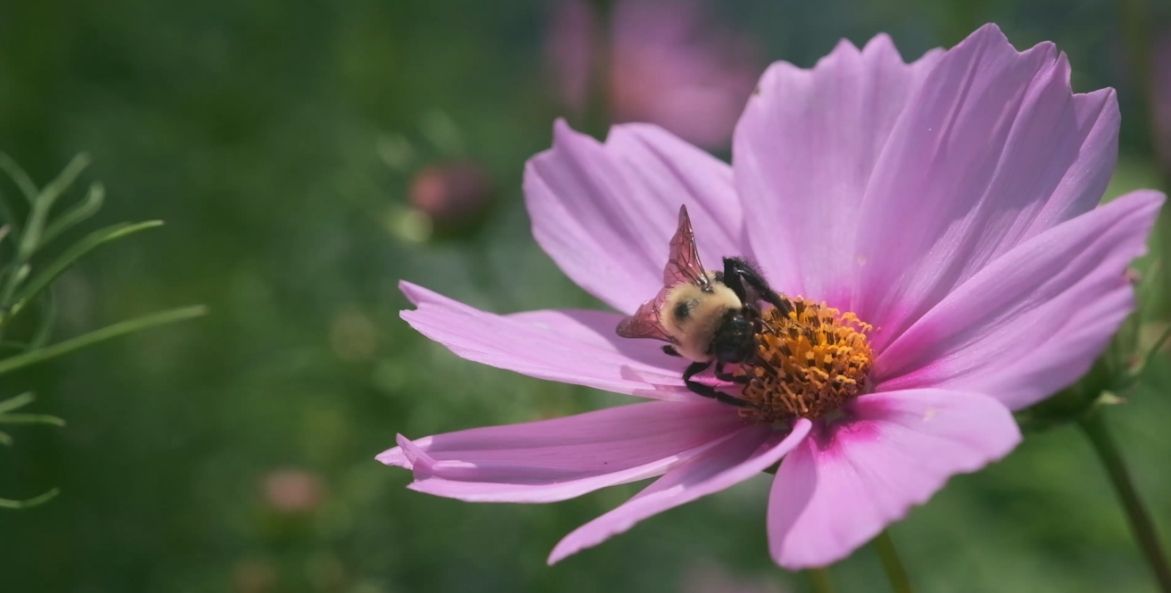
(281,142)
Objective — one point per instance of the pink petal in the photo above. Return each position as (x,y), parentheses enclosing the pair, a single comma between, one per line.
(577,347)
(1035,319)
(605,212)
(991,149)
(804,152)
(751,451)
(552,460)
(847,481)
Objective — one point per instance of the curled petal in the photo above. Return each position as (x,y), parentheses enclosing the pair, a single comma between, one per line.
(847,481)
(746,454)
(551,460)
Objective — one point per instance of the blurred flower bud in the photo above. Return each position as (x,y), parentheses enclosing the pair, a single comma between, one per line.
(452,195)
(293,491)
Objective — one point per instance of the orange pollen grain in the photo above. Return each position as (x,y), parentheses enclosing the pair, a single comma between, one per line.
(808,363)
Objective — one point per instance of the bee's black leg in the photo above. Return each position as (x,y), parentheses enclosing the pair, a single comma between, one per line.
(738,273)
(670,350)
(732,278)
(781,304)
(723,375)
(708,390)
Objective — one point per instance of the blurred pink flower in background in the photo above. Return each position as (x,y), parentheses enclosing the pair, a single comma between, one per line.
(949,203)
(292,491)
(569,50)
(452,194)
(668,64)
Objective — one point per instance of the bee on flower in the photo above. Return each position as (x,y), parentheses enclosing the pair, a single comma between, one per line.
(913,250)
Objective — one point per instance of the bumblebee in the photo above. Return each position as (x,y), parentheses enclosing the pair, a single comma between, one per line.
(707,316)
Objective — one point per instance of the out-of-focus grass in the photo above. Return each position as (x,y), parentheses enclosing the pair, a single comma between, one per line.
(253,129)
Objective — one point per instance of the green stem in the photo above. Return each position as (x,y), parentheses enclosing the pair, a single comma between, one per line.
(1094,426)
(895,573)
(819,577)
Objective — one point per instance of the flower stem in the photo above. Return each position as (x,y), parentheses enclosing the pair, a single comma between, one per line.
(819,577)
(895,573)
(1094,426)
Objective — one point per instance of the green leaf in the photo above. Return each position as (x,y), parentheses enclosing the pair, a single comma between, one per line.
(28,503)
(20,401)
(71,255)
(42,205)
(56,187)
(19,177)
(11,227)
(32,419)
(97,336)
(15,403)
(82,211)
(44,329)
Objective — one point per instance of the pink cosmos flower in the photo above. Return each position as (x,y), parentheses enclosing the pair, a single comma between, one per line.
(946,206)
(667,65)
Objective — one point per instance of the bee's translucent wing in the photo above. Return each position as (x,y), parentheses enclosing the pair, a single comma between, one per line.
(645,321)
(683,265)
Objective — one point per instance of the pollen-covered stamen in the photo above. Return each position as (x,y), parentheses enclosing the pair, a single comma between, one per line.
(808,363)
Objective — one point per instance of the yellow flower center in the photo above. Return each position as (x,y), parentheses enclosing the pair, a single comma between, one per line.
(808,363)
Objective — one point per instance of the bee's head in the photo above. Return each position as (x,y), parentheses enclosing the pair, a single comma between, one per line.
(735,339)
